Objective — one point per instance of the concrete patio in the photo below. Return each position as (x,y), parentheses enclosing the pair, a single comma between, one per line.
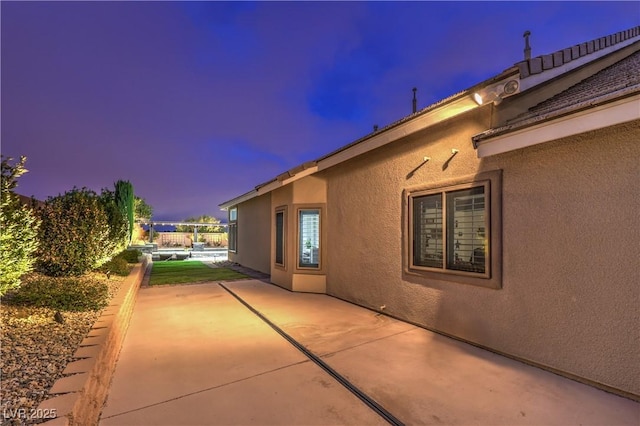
(195,355)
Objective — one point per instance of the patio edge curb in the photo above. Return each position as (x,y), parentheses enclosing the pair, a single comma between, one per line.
(80,402)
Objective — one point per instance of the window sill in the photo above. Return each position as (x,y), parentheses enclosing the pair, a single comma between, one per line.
(458,277)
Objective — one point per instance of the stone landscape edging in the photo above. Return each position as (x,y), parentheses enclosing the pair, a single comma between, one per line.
(82,392)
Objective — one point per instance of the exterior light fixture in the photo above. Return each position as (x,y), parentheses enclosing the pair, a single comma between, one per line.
(497,92)
(487,97)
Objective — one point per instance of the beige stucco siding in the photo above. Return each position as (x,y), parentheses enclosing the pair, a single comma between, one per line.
(570,294)
(254,234)
(307,192)
(283,275)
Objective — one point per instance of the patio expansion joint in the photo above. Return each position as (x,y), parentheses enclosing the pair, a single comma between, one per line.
(221,385)
(366,399)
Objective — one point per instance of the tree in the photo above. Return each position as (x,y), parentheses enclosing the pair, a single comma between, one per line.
(200,219)
(18,228)
(125,201)
(74,235)
(143,211)
(118,224)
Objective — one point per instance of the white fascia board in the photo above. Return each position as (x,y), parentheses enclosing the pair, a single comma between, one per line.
(421,122)
(277,184)
(306,172)
(610,114)
(240,199)
(268,188)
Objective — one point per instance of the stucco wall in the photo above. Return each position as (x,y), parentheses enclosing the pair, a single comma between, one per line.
(309,191)
(283,275)
(254,234)
(569,298)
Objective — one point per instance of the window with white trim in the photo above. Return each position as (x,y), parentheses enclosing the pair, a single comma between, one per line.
(233,229)
(449,229)
(309,238)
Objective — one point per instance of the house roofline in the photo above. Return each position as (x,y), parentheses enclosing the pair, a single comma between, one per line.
(450,107)
(435,113)
(582,119)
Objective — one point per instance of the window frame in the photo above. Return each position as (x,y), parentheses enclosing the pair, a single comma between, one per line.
(233,235)
(280,210)
(492,276)
(298,265)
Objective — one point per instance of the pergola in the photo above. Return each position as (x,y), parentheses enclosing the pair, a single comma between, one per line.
(195,225)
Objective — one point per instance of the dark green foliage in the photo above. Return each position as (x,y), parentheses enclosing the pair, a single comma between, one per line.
(18,229)
(74,235)
(131,256)
(200,219)
(64,294)
(125,201)
(116,266)
(143,210)
(118,223)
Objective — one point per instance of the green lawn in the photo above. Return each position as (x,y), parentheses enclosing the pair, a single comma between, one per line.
(176,272)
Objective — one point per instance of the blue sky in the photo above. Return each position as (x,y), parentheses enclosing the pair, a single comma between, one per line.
(198,102)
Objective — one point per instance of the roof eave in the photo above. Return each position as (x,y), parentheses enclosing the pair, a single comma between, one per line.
(561,124)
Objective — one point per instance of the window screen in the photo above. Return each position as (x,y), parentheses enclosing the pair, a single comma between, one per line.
(466,230)
(427,224)
(449,229)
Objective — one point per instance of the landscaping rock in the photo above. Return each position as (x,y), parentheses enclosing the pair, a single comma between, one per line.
(35,349)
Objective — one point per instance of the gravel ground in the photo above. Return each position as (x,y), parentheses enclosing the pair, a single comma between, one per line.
(35,350)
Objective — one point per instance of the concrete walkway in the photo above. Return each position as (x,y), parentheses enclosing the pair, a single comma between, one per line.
(195,355)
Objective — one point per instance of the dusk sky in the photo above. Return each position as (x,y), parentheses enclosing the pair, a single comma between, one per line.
(197,102)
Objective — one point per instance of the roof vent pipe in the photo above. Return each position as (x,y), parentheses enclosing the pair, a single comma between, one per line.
(415,101)
(527,48)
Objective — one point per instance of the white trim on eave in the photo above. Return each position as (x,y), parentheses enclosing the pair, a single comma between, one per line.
(240,199)
(416,124)
(606,115)
(268,187)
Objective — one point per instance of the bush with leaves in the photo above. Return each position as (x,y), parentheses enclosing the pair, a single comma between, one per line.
(200,219)
(118,222)
(116,266)
(63,294)
(131,255)
(143,211)
(18,229)
(124,199)
(74,235)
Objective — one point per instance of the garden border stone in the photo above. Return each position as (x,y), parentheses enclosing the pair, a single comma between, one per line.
(80,395)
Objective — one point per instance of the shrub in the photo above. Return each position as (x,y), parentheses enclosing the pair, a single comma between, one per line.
(124,199)
(18,229)
(118,225)
(74,235)
(63,294)
(131,256)
(117,266)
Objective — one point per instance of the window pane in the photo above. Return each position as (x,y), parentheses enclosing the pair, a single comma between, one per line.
(309,244)
(280,238)
(233,236)
(233,214)
(427,231)
(466,230)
